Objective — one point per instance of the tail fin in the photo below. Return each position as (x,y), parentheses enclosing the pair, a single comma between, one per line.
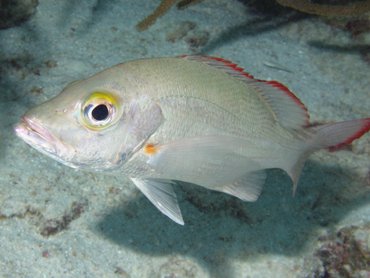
(330,136)
(335,136)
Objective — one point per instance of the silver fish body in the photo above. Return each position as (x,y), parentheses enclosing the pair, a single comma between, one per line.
(196,119)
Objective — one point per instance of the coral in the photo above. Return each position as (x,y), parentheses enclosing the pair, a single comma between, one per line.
(352,16)
(305,6)
(347,253)
(163,7)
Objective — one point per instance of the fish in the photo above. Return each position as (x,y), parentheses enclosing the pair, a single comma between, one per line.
(194,119)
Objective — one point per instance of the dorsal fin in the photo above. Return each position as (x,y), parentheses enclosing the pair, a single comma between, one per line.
(287,109)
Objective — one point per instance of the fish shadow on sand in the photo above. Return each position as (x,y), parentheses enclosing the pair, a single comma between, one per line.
(219,228)
(261,17)
(249,28)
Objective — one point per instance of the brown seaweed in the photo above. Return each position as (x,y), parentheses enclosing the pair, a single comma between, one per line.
(163,7)
(305,6)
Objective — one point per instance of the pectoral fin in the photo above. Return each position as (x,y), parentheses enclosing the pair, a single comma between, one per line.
(161,194)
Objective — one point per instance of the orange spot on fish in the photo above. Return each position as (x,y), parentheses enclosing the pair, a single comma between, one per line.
(150,149)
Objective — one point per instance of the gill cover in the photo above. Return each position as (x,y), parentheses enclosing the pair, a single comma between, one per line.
(120,128)
(142,118)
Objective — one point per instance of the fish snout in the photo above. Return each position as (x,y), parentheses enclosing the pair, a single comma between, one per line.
(38,136)
(30,127)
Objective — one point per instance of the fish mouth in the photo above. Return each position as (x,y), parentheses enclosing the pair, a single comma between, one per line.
(38,137)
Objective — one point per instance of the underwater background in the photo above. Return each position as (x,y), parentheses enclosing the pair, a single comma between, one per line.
(59,222)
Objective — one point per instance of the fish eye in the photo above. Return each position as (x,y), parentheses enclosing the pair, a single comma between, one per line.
(99,110)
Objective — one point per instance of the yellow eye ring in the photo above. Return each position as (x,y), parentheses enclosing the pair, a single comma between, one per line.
(100,110)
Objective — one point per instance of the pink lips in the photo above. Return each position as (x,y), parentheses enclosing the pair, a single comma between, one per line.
(35,134)
(29,126)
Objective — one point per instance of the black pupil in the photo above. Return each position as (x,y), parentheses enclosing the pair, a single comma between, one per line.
(100,112)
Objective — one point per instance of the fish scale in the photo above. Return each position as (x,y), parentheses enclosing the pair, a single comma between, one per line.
(242,103)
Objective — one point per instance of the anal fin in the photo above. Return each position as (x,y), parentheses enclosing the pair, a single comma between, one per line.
(248,187)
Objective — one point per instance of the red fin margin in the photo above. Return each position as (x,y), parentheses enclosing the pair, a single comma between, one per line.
(288,92)
(364,129)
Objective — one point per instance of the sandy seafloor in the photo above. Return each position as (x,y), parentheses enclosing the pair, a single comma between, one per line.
(59,222)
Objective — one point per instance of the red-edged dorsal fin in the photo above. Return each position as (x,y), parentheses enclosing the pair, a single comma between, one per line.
(286,108)
(223,64)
